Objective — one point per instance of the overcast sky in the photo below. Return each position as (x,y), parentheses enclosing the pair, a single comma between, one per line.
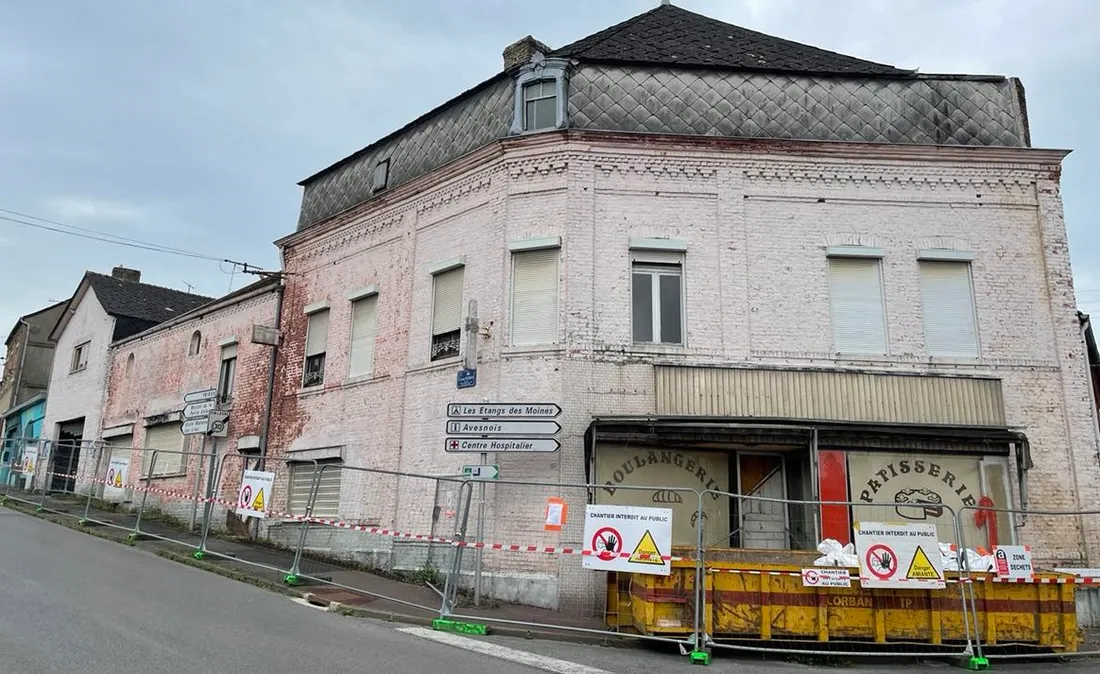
(189,122)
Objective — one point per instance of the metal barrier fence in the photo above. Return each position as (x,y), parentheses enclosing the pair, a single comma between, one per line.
(1071,540)
(724,589)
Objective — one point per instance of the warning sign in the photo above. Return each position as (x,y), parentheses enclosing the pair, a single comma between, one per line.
(898,555)
(921,567)
(30,460)
(824,577)
(255,493)
(117,478)
(646,552)
(628,538)
(1013,563)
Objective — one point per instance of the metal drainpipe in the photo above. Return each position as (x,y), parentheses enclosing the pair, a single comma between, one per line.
(265,432)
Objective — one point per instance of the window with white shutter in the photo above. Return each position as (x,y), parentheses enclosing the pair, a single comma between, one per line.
(227,373)
(947,300)
(168,438)
(535,297)
(327,502)
(364,320)
(855,295)
(316,345)
(446,313)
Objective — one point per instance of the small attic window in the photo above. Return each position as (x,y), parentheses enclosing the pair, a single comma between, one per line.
(540,96)
(196,344)
(540,103)
(381,175)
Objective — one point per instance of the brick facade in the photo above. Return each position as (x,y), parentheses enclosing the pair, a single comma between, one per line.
(152,387)
(757,218)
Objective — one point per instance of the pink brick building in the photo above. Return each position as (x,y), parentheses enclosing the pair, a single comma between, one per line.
(149,374)
(791,274)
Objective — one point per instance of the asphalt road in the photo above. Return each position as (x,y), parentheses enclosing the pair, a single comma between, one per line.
(71,602)
(74,603)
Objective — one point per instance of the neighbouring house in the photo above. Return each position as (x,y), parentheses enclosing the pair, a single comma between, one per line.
(150,372)
(104,309)
(738,263)
(29,356)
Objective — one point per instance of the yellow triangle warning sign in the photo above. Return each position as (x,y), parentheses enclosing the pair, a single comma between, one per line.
(258,503)
(646,551)
(118,479)
(921,567)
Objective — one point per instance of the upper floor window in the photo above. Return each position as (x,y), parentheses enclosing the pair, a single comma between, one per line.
(947,301)
(535,296)
(196,344)
(227,373)
(540,105)
(657,298)
(855,298)
(364,321)
(540,95)
(447,313)
(316,345)
(80,357)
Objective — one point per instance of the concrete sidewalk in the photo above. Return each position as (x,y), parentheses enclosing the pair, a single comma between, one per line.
(342,589)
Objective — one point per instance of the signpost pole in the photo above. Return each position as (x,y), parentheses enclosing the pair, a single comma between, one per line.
(480,533)
(198,479)
(208,507)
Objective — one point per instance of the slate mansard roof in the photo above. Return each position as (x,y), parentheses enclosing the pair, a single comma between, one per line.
(670,35)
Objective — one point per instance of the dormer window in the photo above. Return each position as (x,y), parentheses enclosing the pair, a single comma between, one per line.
(540,95)
(540,105)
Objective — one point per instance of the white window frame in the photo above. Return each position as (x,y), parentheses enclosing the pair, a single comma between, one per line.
(540,70)
(80,357)
(355,302)
(312,312)
(869,254)
(518,250)
(657,263)
(454,264)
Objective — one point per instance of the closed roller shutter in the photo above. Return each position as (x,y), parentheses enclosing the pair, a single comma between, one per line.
(364,314)
(855,294)
(168,438)
(317,333)
(950,328)
(535,297)
(447,302)
(327,503)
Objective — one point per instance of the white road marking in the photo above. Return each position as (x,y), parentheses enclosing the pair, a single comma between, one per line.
(542,662)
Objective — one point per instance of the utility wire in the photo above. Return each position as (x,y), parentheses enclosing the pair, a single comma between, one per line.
(94,235)
(90,231)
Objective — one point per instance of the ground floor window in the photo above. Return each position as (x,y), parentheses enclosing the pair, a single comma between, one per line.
(327,502)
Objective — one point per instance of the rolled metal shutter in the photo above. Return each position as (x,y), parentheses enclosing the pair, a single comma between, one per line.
(168,438)
(535,297)
(327,503)
(947,299)
(855,294)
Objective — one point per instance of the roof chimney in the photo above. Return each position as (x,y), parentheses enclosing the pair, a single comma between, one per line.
(126,274)
(521,51)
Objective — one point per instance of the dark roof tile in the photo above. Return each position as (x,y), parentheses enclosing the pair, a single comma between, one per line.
(670,35)
(141,304)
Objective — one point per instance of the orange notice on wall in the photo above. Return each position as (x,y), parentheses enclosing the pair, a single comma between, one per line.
(556,512)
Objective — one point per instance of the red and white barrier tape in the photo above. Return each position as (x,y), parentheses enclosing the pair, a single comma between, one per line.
(550,550)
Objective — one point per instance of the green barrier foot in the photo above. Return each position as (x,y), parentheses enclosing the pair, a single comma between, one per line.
(39,509)
(444,625)
(977,664)
(198,554)
(700,658)
(291,579)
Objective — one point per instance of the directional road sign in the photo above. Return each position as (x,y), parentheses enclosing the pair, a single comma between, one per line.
(196,426)
(509,428)
(503,410)
(512,445)
(481,472)
(200,396)
(198,410)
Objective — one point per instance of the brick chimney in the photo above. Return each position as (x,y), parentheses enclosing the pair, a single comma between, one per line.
(126,274)
(520,52)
